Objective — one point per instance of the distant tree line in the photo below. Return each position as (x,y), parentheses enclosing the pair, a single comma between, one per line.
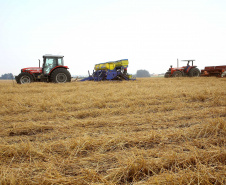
(142,73)
(7,76)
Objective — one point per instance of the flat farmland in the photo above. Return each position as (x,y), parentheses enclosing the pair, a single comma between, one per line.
(148,131)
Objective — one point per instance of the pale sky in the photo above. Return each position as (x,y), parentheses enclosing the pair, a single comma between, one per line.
(151,34)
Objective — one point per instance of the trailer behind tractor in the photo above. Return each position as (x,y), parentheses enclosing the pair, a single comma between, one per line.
(218,71)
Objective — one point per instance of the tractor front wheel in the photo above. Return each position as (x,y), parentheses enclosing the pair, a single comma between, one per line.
(167,74)
(177,74)
(24,78)
(60,75)
(194,72)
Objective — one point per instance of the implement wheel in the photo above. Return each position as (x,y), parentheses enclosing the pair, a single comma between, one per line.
(24,78)
(60,75)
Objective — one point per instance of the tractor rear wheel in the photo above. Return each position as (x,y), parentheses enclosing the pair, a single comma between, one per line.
(194,72)
(177,74)
(60,75)
(24,78)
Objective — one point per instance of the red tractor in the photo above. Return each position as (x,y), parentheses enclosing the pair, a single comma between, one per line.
(188,70)
(52,70)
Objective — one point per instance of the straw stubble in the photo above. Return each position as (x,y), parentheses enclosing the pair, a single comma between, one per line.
(149,131)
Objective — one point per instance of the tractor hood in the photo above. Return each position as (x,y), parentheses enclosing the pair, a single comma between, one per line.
(32,69)
(175,68)
(178,68)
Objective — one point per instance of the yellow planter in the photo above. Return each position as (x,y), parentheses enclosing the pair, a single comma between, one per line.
(105,66)
(111,65)
(122,63)
(97,67)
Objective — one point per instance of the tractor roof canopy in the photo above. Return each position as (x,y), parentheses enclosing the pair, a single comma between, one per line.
(187,60)
(49,55)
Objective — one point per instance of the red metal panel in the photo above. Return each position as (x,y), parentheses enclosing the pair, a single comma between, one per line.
(32,69)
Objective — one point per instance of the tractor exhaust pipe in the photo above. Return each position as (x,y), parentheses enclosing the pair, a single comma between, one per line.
(39,63)
(177,63)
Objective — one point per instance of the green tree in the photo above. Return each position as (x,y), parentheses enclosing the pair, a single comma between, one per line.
(142,73)
(7,76)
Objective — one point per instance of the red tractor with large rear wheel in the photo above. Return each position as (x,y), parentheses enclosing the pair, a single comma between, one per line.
(52,70)
(191,71)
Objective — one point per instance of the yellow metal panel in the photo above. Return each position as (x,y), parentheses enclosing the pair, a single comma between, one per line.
(105,66)
(111,65)
(101,66)
(97,67)
(123,63)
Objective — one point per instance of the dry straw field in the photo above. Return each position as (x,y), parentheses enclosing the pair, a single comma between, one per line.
(149,131)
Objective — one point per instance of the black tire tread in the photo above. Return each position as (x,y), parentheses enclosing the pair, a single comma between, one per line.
(177,72)
(60,70)
(23,74)
(167,74)
(190,73)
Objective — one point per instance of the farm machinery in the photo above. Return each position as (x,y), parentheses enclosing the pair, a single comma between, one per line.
(218,71)
(114,70)
(52,70)
(189,70)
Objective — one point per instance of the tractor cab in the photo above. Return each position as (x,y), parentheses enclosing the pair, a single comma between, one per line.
(188,62)
(50,62)
(188,67)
